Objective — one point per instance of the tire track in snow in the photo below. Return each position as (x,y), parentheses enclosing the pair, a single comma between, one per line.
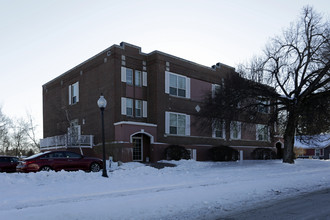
(113,194)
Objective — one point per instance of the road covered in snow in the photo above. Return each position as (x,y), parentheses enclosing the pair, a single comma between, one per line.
(191,190)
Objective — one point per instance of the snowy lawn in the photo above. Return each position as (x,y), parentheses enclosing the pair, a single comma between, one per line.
(191,190)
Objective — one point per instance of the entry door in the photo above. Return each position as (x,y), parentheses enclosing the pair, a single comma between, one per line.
(137,149)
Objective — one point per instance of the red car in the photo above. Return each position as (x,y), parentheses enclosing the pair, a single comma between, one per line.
(8,164)
(59,160)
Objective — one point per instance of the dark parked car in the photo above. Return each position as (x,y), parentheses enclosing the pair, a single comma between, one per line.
(8,164)
(59,160)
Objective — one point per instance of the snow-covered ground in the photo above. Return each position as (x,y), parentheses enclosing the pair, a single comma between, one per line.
(191,190)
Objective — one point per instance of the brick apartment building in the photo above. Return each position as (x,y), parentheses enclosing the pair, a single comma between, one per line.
(152,102)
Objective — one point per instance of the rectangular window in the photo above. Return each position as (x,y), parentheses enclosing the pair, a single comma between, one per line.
(129,76)
(138,108)
(177,124)
(235,130)
(129,107)
(218,129)
(177,85)
(74,93)
(215,89)
(263,105)
(317,152)
(138,78)
(262,132)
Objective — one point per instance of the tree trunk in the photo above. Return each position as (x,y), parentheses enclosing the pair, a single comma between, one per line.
(288,154)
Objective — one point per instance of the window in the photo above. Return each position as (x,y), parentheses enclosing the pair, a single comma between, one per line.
(72,155)
(57,155)
(74,93)
(177,85)
(129,76)
(138,108)
(138,78)
(215,89)
(235,130)
(177,124)
(14,159)
(317,152)
(129,107)
(218,129)
(262,132)
(263,105)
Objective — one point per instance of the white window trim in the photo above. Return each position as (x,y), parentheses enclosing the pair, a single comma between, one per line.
(223,131)
(144,78)
(239,124)
(123,74)
(140,79)
(214,89)
(70,98)
(167,84)
(257,132)
(265,102)
(167,123)
(132,107)
(74,86)
(123,105)
(145,109)
(141,108)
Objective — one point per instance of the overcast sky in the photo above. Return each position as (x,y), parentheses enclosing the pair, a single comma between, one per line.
(41,39)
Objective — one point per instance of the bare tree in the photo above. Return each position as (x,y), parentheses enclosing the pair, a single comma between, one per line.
(4,131)
(31,132)
(19,138)
(296,64)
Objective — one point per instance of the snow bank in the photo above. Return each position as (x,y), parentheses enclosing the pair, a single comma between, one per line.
(191,190)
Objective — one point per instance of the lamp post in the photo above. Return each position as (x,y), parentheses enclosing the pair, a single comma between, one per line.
(102,103)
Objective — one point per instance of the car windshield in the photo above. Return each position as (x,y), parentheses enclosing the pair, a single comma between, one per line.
(36,155)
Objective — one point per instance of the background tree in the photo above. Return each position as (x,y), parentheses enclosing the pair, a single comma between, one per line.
(296,64)
(31,133)
(4,132)
(19,138)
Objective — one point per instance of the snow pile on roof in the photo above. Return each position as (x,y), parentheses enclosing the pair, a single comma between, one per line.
(316,141)
(191,190)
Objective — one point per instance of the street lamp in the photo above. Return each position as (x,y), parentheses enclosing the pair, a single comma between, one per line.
(102,103)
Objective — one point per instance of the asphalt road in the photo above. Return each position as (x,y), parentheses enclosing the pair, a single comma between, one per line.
(315,205)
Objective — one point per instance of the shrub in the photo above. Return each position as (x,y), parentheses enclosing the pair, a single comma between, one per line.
(223,153)
(263,154)
(176,152)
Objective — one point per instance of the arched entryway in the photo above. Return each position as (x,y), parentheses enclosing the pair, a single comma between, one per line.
(279,150)
(141,146)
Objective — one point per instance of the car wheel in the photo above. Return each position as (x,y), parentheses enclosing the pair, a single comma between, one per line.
(95,167)
(46,168)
